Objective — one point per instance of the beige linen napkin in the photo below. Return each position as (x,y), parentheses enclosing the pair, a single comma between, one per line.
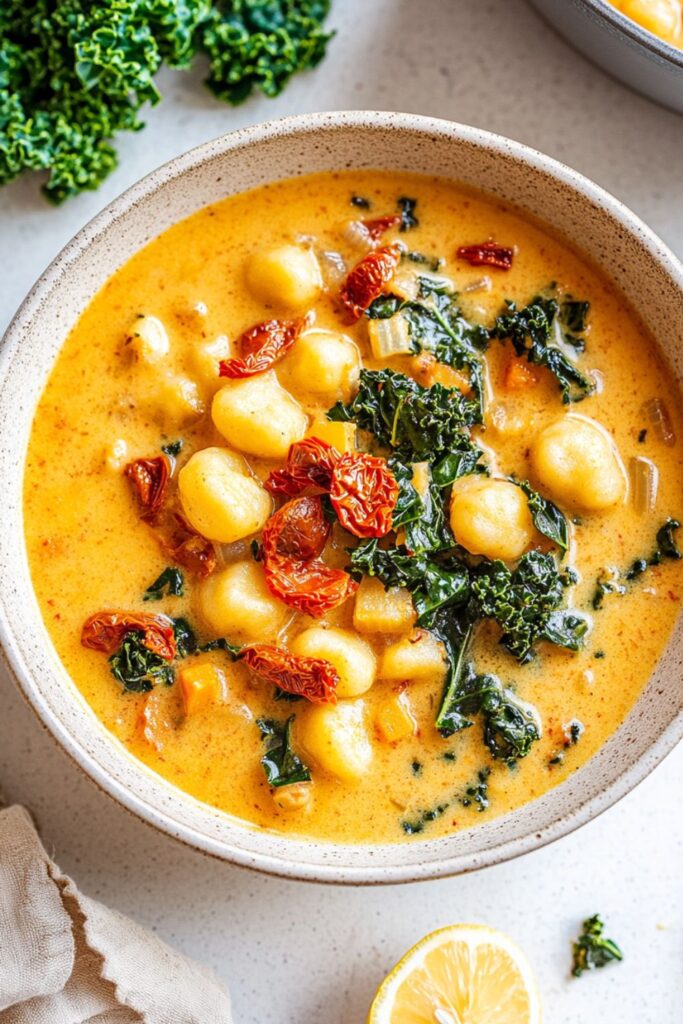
(66,959)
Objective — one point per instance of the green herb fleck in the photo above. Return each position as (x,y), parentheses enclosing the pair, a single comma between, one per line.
(477,793)
(592,949)
(169,583)
(408,218)
(417,824)
(173,448)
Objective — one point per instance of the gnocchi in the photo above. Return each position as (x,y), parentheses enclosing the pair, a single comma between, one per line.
(337,738)
(287,276)
(576,460)
(258,416)
(236,602)
(207,355)
(491,517)
(220,499)
(352,657)
(148,340)
(324,363)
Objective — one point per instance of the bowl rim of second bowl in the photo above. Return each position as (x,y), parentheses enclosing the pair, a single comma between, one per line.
(635,32)
(283,863)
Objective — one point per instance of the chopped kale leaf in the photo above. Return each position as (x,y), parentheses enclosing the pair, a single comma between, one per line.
(74,73)
(137,668)
(531,332)
(547,517)
(408,218)
(282,766)
(526,604)
(436,325)
(477,792)
(169,583)
(173,448)
(221,644)
(592,949)
(417,824)
(609,580)
(432,263)
(418,424)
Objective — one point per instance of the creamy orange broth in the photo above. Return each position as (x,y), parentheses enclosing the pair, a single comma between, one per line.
(664,18)
(89,550)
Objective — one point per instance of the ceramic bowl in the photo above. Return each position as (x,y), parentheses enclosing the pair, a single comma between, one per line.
(621,46)
(588,217)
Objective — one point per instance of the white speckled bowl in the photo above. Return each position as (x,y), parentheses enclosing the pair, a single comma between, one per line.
(621,46)
(586,215)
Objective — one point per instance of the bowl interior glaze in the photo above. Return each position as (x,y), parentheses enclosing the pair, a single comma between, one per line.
(595,222)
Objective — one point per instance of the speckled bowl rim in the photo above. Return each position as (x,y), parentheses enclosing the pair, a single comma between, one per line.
(635,33)
(261,850)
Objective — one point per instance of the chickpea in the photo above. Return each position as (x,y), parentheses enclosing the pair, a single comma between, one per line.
(336,737)
(491,517)
(577,462)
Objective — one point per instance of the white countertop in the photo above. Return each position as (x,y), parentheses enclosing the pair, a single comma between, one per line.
(296,953)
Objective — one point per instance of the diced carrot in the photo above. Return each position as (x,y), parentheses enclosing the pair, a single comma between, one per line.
(426,370)
(394,718)
(201,685)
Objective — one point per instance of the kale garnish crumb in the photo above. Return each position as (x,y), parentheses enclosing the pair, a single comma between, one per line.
(592,949)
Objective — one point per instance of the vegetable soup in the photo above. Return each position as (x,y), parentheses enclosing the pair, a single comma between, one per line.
(351,506)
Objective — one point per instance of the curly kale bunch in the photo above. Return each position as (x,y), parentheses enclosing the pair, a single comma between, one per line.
(73,73)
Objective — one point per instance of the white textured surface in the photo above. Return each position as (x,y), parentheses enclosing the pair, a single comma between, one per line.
(299,953)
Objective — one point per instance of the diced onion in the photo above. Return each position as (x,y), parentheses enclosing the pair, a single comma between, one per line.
(644,477)
(333,268)
(405,284)
(389,337)
(357,234)
(656,411)
(483,284)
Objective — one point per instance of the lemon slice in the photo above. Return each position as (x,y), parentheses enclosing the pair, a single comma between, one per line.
(465,974)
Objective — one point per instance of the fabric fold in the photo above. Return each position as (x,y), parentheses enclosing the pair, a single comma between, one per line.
(67,959)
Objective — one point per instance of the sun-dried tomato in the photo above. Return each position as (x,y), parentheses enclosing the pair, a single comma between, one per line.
(298,530)
(309,464)
(379,225)
(261,346)
(309,586)
(487,254)
(149,478)
(105,631)
(368,279)
(313,678)
(363,493)
(188,549)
